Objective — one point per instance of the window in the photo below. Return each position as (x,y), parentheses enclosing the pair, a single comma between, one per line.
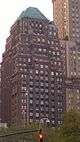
(22,100)
(54,33)
(59,122)
(43,40)
(71,73)
(77,91)
(23,112)
(52,73)
(46,73)
(42,89)
(74,73)
(60,79)
(46,84)
(31,120)
(46,78)
(26,94)
(23,88)
(46,90)
(42,84)
(38,39)
(37,114)
(25,70)
(31,83)
(57,53)
(42,102)
(31,101)
(52,90)
(24,107)
(48,42)
(31,71)
(31,114)
(40,25)
(37,102)
(46,96)
(50,32)
(52,42)
(52,85)
(59,63)
(31,77)
(29,60)
(37,90)
(37,71)
(24,65)
(31,89)
(60,110)
(55,63)
(40,49)
(78,97)
(53,52)
(22,75)
(41,72)
(36,24)
(31,95)
(56,73)
(44,50)
(42,96)
(41,66)
(46,66)
(59,103)
(53,122)
(52,109)
(41,77)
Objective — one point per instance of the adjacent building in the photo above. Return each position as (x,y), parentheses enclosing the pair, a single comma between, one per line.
(71,67)
(67,18)
(32,71)
(71,58)
(66,14)
(73,94)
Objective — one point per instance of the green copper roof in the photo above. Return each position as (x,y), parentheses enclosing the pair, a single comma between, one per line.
(32,12)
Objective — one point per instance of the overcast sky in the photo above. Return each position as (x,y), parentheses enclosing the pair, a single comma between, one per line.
(11,9)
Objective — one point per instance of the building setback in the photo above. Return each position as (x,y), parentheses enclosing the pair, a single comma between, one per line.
(32,71)
(67,18)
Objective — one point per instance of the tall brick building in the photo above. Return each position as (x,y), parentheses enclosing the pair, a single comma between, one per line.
(32,71)
(66,14)
(71,67)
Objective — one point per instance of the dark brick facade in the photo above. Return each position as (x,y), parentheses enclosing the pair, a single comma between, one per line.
(32,73)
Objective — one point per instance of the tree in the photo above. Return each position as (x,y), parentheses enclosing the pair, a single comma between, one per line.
(70,130)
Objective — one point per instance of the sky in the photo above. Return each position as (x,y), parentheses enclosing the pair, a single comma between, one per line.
(11,9)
